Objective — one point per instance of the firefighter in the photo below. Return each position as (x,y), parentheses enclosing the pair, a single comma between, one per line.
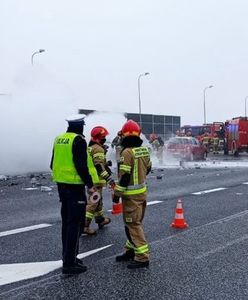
(189,133)
(71,173)
(100,175)
(215,142)
(131,187)
(116,143)
(158,146)
(206,140)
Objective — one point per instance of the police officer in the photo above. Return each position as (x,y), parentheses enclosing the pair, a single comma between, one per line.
(70,172)
(135,164)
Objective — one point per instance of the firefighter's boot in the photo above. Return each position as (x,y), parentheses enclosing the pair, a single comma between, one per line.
(87,230)
(127,256)
(138,264)
(104,221)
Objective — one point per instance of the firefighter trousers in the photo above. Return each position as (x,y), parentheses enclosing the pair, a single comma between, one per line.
(133,214)
(94,210)
(215,148)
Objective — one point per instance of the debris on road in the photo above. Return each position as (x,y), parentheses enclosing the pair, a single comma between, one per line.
(45,188)
(3,177)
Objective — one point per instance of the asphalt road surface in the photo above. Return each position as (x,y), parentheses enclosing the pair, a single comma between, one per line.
(208,260)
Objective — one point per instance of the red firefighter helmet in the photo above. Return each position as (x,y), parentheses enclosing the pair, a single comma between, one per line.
(98,133)
(131,128)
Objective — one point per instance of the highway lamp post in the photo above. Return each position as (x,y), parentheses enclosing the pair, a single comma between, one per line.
(36,52)
(204,101)
(144,74)
(245,106)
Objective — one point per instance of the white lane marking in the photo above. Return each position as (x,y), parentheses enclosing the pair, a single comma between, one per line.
(240,214)
(148,203)
(10,273)
(153,202)
(209,191)
(245,183)
(220,248)
(24,229)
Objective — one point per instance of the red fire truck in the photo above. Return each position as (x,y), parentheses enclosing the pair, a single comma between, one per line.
(236,135)
(198,131)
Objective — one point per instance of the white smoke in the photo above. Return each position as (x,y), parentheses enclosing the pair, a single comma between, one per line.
(35,114)
(30,119)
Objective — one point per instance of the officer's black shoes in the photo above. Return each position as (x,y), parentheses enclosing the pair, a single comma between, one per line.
(127,256)
(79,262)
(138,264)
(77,269)
(105,221)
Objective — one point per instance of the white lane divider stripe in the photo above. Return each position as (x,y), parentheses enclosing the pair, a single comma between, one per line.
(24,229)
(209,191)
(148,203)
(153,202)
(245,183)
(220,248)
(10,273)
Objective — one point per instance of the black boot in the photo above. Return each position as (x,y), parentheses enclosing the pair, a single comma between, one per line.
(103,222)
(77,269)
(127,256)
(138,264)
(80,262)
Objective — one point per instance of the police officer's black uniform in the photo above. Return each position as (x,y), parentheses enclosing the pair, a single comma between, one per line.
(73,200)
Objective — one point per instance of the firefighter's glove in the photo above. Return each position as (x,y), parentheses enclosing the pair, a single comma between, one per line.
(116,199)
(111,184)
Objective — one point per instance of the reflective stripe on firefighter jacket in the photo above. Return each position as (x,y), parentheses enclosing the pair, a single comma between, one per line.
(205,140)
(64,170)
(97,156)
(134,161)
(216,141)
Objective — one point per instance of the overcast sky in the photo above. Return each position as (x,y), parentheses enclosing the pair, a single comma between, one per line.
(98,49)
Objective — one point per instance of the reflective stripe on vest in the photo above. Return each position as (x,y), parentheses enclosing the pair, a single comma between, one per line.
(64,170)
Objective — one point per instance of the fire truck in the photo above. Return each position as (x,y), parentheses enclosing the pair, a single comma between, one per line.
(236,135)
(198,131)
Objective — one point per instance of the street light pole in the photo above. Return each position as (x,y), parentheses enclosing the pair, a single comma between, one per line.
(245,105)
(204,101)
(36,52)
(144,74)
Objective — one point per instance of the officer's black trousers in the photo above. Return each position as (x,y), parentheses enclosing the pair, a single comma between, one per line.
(73,204)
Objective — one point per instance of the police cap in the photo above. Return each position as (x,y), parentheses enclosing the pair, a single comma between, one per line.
(76,119)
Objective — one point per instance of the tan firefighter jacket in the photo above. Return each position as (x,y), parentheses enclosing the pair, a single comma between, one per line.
(136,162)
(98,155)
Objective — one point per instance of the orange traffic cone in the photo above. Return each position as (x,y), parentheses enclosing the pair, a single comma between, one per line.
(116,208)
(179,221)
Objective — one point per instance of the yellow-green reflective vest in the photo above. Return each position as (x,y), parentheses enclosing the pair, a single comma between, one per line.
(64,170)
